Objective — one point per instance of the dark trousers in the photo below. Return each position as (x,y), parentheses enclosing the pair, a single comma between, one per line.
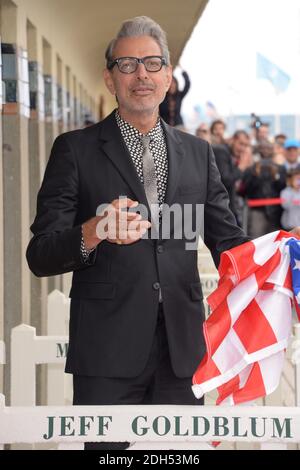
(156,385)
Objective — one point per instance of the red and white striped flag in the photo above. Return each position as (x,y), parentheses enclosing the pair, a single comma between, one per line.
(250,324)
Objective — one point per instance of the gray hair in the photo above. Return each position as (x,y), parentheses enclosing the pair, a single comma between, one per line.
(140,26)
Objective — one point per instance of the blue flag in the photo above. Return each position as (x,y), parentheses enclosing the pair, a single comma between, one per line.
(266,69)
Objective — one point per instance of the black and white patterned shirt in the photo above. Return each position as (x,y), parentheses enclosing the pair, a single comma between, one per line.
(158,149)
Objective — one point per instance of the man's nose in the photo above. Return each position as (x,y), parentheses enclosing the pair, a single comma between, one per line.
(141,71)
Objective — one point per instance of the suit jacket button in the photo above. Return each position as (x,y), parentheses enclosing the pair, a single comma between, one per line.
(160,249)
(156,285)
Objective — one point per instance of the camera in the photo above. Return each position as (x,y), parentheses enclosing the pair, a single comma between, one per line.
(256,121)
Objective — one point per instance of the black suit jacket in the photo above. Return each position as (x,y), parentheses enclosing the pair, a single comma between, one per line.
(114,297)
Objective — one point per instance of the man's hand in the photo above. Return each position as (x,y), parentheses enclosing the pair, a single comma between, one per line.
(115,225)
(246,159)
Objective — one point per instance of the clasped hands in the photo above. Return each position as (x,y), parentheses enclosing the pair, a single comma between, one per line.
(115,224)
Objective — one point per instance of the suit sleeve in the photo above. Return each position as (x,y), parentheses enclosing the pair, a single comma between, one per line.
(55,245)
(220,229)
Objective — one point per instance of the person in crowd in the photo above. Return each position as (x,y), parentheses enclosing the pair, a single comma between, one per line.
(279,152)
(291,147)
(280,139)
(232,160)
(203,132)
(170,108)
(217,131)
(263,180)
(262,133)
(265,150)
(291,200)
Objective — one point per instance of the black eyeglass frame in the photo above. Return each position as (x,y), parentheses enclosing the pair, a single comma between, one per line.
(110,65)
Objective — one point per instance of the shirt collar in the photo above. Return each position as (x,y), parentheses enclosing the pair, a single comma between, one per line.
(156,133)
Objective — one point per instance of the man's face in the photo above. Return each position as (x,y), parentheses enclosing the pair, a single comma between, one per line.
(280,141)
(263,133)
(239,145)
(295,181)
(291,154)
(219,129)
(203,132)
(140,91)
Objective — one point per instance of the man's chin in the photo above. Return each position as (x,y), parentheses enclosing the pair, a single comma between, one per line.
(142,108)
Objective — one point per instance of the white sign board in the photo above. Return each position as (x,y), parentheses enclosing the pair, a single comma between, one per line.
(149,423)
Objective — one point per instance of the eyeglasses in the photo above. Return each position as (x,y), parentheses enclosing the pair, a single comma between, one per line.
(152,63)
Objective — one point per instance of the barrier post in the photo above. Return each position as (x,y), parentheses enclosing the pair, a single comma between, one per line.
(22,366)
(58,311)
(27,350)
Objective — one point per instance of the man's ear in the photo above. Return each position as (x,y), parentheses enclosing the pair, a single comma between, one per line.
(169,75)
(109,81)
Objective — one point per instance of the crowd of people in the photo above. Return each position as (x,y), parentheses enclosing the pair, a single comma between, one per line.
(253,165)
(261,174)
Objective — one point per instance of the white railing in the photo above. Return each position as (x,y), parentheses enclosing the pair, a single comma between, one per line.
(27,350)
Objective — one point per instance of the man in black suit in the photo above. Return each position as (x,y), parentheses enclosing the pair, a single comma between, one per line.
(232,160)
(136,302)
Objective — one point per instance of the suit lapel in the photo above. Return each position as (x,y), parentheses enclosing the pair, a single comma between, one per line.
(175,160)
(114,147)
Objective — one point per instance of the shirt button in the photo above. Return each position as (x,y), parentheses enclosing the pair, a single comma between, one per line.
(156,285)
(160,249)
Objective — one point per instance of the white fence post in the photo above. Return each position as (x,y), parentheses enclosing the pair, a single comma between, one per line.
(59,386)
(27,350)
(22,370)
(22,366)
(57,313)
